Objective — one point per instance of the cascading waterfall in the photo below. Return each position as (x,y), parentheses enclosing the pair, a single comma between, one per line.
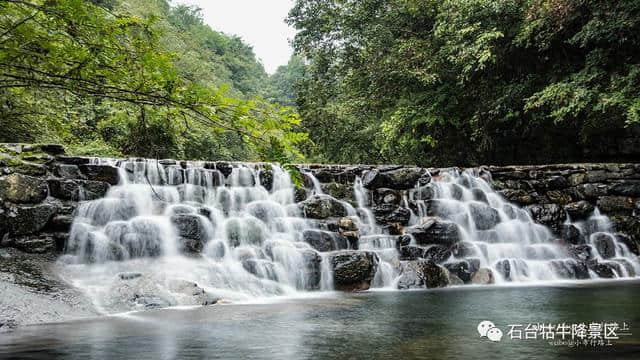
(207,231)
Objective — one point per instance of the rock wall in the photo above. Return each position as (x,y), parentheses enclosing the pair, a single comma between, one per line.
(40,187)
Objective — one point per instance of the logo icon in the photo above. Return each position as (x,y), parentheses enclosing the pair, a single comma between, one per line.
(489,330)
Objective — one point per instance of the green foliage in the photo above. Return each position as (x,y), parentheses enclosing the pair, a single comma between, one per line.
(136,78)
(465,81)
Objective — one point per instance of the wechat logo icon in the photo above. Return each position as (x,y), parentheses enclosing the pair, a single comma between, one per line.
(489,330)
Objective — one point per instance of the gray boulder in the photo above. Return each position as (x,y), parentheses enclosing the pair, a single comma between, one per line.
(20,188)
(422,274)
(435,231)
(322,207)
(324,240)
(104,173)
(353,270)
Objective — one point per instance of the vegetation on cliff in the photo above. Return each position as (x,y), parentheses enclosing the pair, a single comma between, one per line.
(467,81)
(142,78)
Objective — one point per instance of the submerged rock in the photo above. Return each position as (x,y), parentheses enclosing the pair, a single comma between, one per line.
(353,270)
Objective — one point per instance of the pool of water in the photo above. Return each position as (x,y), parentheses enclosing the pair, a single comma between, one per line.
(439,324)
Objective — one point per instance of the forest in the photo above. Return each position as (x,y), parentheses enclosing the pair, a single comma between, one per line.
(426,82)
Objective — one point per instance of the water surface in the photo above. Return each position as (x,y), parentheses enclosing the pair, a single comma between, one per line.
(438,324)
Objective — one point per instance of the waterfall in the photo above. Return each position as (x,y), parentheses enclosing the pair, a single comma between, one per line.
(237,232)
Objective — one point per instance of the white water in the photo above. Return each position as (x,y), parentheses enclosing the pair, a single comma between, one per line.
(253,242)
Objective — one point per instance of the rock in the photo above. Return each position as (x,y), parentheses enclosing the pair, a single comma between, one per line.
(104,173)
(570,269)
(312,270)
(604,270)
(604,244)
(437,253)
(19,188)
(422,274)
(340,191)
(76,190)
(464,249)
(520,197)
(324,240)
(424,193)
(387,196)
(581,252)
(577,179)
(628,242)
(389,214)
(616,204)
(353,270)
(503,267)
(263,269)
(484,216)
(21,220)
(61,223)
(129,275)
(353,239)
(626,188)
(464,269)
(479,195)
(347,224)
(322,207)
(434,231)
(411,252)
(558,197)
(34,244)
(265,177)
(551,215)
(198,194)
(191,232)
(571,234)
(579,210)
(73,160)
(454,280)
(483,276)
(398,179)
(67,171)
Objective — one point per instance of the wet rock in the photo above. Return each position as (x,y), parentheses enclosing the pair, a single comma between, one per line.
(322,207)
(547,214)
(454,280)
(605,270)
(558,197)
(324,240)
(464,269)
(129,275)
(520,197)
(434,231)
(464,249)
(347,224)
(627,241)
(34,244)
(20,188)
(403,240)
(479,195)
(340,191)
(387,196)
(570,269)
(104,173)
(388,214)
(263,269)
(483,276)
(579,210)
(312,270)
(21,220)
(353,270)
(503,267)
(411,252)
(626,188)
(604,244)
(424,193)
(198,194)
(422,274)
(581,252)
(437,253)
(61,223)
(571,234)
(398,179)
(484,216)
(76,190)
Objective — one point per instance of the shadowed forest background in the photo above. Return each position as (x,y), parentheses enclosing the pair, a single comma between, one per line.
(372,81)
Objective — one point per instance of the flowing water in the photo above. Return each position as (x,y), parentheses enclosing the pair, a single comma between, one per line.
(433,324)
(244,220)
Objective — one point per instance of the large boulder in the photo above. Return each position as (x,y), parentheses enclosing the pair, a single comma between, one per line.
(322,207)
(581,252)
(551,215)
(570,269)
(20,188)
(324,240)
(571,234)
(353,270)
(628,242)
(105,173)
(397,179)
(422,274)
(389,214)
(77,190)
(435,231)
(21,219)
(311,271)
(484,216)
